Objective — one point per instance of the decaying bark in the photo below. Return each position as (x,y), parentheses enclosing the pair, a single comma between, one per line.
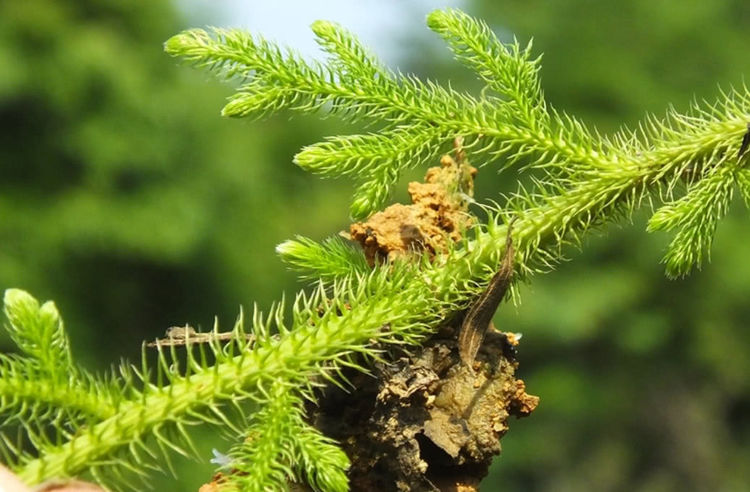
(437,215)
(427,421)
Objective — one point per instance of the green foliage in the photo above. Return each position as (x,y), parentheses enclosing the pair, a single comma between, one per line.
(43,392)
(333,258)
(280,446)
(38,332)
(581,179)
(413,113)
(695,217)
(505,69)
(163,400)
(585,178)
(644,357)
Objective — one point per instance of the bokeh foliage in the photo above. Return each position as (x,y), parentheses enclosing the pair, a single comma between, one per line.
(124,197)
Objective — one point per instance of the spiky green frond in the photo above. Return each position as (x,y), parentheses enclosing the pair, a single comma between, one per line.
(322,463)
(353,84)
(44,397)
(357,155)
(41,395)
(702,145)
(695,217)
(416,117)
(506,69)
(376,161)
(38,332)
(332,259)
(264,458)
(310,86)
(349,58)
(280,447)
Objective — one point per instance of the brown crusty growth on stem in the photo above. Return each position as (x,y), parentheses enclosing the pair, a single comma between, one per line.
(427,421)
(438,213)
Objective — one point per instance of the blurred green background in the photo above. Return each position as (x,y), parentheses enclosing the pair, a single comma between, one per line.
(129,201)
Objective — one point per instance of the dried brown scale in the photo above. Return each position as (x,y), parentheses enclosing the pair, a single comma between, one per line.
(478,318)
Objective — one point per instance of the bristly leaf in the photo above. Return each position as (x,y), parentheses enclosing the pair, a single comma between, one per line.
(361,155)
(695,217)
(506,69)
(330,260)
(280,447)
(375,160)
(349,58)
(38,332)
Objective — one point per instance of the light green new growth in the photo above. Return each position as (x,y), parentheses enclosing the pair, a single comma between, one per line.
(79,423)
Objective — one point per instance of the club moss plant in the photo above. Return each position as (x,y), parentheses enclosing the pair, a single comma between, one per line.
(58,420)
